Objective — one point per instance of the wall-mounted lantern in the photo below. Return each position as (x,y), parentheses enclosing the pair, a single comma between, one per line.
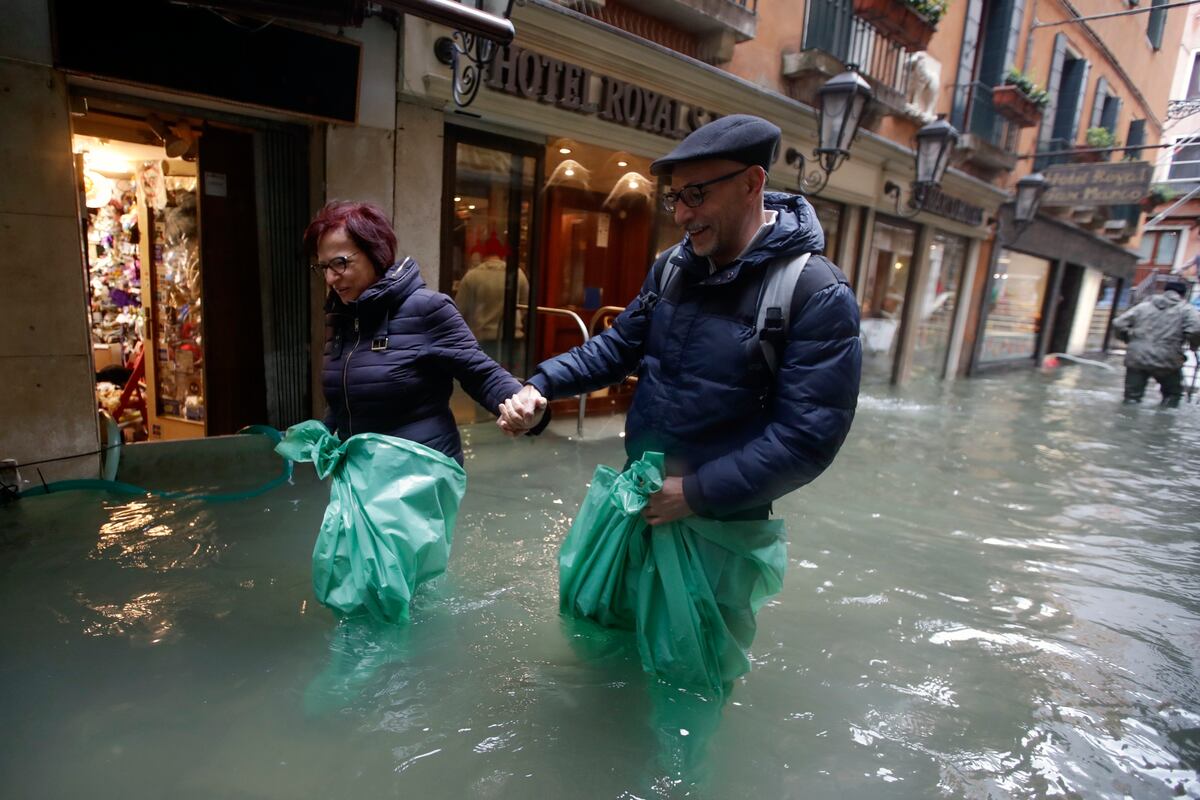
(843,99)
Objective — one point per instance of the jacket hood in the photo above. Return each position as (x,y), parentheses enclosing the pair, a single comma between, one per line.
(796,231)
(1167,298)
(400,280)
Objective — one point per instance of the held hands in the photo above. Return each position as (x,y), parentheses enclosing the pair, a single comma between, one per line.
(668,504)
(522,412)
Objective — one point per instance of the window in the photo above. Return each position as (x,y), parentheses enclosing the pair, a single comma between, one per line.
(1159,247)
(1185,162)
(1156,23)
(1014,307)
(1194,81)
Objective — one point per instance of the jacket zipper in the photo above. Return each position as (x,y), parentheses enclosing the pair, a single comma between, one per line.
(345,388)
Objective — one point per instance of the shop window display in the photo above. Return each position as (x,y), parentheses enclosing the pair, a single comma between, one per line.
(178,311)
(938,297)
(892,246)
(1014,307)
(143,269)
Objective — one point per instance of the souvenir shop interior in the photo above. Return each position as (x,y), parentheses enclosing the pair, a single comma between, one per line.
(144,280)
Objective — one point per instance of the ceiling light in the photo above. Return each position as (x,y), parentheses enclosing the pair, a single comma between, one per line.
(622,163)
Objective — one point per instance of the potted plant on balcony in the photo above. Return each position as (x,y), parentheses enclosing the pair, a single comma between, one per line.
(1098,142)
(1019,99)
(910,23)
(1157,195)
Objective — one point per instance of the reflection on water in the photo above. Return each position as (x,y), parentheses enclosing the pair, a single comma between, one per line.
(992,594)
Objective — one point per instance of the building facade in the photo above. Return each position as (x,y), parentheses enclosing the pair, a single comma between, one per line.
(162,196)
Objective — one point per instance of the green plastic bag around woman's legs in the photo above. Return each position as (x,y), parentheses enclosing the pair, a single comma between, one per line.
(389,522)
(690,589)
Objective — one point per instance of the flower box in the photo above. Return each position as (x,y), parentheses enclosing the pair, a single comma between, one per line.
(1016,106)
(898,21)
(1091,155)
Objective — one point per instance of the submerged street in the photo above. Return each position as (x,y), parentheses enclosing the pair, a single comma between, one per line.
(992,593)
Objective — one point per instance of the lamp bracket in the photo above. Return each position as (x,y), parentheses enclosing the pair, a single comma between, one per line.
(813,182)
(917,196)
(468,55)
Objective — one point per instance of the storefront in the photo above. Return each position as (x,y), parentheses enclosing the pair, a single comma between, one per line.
(911,281)
(194,187)
(1053,288)
(189,276)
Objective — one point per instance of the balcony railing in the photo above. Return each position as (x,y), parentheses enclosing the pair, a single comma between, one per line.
(832,27)
(1050,159)
(982,119)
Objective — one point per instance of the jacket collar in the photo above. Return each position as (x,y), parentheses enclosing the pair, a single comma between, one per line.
(400,280)
(796,231)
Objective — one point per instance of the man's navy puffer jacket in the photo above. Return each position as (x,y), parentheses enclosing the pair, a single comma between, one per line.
(738,436)
(391,357)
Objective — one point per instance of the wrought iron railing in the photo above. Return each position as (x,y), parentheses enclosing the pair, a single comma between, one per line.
(831,26)
(982,119)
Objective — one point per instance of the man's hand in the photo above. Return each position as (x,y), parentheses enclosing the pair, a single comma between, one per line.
(522,412)
(667,504)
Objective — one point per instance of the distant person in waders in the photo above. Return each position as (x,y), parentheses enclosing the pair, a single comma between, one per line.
(1157,331)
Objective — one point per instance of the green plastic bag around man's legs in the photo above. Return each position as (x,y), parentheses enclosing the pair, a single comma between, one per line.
(591,562)
(389,522)
(690,589)
(700,584)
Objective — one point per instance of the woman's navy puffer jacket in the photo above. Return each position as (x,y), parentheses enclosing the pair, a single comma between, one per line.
(391,357)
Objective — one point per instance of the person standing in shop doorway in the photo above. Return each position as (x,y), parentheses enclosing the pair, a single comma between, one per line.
(1157,330)
(743,412)
(480,298)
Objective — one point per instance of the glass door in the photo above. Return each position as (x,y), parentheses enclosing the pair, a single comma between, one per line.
(935,317)
(176,308)
(888,270)
(488,246)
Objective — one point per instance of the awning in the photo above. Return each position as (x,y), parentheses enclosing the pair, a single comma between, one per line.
(1059,240)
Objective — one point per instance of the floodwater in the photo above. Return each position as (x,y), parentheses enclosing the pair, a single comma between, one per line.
(993,593)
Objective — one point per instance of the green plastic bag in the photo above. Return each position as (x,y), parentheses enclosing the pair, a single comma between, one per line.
(389,522)
(690,589)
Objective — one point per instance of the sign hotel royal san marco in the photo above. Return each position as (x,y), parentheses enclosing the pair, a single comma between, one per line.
(523,73)
(1122,183)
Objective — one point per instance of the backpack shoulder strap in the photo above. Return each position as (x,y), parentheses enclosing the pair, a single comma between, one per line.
(775,306)
(787,288)
(667,271)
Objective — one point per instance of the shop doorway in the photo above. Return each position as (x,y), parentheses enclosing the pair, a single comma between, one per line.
(172,267)
(488,255)
(603,226)
(1065,307)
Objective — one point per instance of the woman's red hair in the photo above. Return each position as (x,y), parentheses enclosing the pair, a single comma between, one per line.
(364,223)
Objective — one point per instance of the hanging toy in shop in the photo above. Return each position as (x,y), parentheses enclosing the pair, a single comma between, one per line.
(151,176)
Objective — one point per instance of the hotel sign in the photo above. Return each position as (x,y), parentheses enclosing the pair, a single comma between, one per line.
(1119,184)
(523,73)
(951,207)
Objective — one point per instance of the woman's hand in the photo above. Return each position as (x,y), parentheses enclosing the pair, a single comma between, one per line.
(522,412)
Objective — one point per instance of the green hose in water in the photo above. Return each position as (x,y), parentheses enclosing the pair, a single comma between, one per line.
(109,483)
